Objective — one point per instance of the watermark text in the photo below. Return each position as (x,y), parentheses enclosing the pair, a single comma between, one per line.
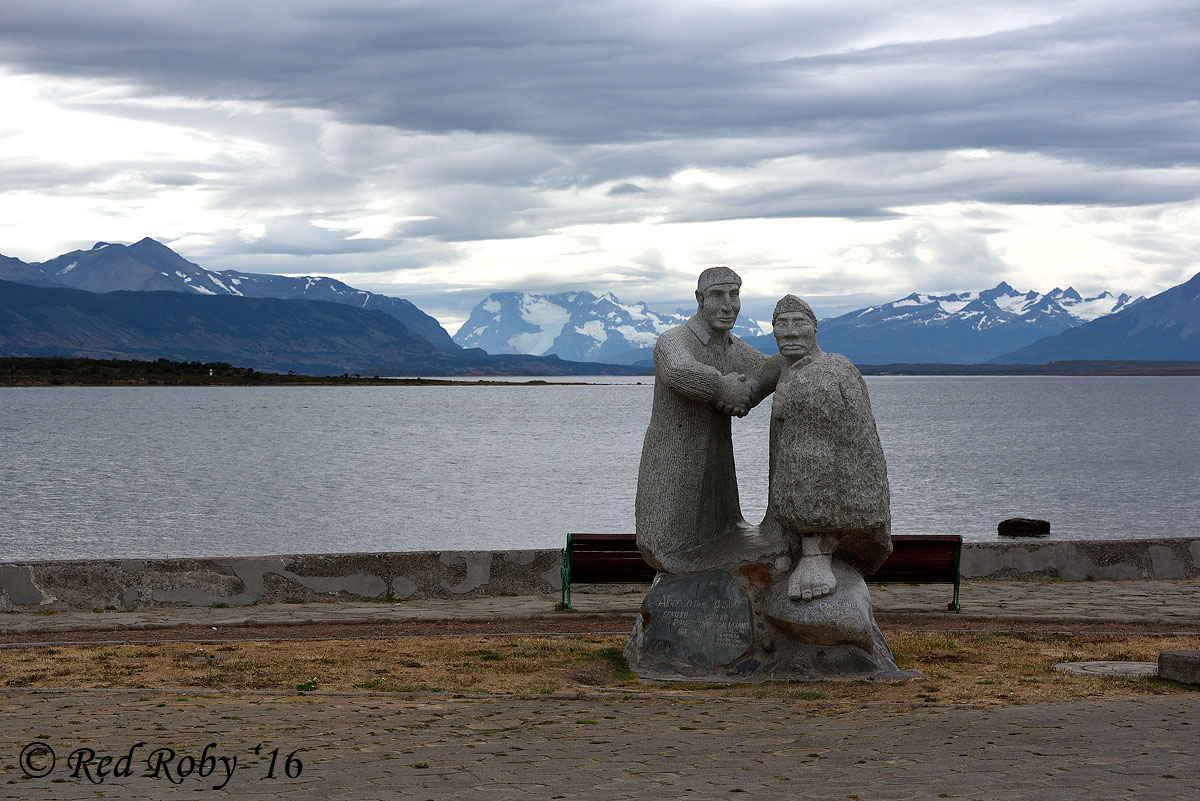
(210,766)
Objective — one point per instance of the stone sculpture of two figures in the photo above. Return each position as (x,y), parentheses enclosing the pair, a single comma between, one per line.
(785,599)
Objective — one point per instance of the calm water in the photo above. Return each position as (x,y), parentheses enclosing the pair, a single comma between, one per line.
(165,472)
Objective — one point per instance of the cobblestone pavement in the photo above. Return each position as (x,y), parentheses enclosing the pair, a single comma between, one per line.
(610,746)
(375,747)
(1128,601)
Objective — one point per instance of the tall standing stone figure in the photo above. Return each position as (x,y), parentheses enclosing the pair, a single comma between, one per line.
(687,507)
(785,599)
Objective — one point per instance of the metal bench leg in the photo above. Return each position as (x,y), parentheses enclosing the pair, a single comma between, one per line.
(957,576)
(565,579)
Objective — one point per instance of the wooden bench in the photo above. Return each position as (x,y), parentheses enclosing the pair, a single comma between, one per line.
(615,559)
(601,559)
(923,559)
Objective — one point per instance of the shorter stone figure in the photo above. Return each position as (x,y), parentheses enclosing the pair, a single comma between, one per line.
(828,481)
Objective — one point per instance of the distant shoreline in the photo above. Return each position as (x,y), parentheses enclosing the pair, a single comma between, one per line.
(61,371)
(1060,368)
(52,371)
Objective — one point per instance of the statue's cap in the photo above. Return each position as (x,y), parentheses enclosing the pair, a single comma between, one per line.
(717,275)
(791,303)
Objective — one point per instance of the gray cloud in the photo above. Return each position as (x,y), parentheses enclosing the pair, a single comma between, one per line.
(519,119)
(630,72)
(626,188)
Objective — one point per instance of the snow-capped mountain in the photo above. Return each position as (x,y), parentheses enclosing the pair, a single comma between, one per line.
(999,306)
(1163,327)
(149,265)
(959,328)
(572,325)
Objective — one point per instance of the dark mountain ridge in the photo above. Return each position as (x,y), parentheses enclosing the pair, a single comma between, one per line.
(16,270)
(267,334)
(149,265)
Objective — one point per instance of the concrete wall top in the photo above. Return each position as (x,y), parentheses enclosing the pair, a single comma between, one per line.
(1080,560)
(239,581)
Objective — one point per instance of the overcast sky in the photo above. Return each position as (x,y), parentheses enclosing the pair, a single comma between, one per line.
(847,152)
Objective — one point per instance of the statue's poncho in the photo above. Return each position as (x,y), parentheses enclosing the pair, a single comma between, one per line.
(827,468)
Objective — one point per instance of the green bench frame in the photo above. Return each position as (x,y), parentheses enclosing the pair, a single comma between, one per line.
(615,559)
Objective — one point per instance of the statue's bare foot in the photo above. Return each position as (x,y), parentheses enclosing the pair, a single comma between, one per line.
(812,578)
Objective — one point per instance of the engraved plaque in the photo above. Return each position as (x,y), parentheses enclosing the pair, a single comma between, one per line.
(701,619)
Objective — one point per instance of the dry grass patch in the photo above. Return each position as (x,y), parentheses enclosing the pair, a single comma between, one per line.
(517,665)
(960,668)
(988,668)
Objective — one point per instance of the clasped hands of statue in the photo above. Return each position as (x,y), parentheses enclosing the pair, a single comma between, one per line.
(735,394)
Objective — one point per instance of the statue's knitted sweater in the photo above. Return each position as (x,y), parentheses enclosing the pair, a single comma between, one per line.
(687,487)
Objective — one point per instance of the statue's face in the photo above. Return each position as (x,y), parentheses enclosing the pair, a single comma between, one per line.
(795,334)
(719,306)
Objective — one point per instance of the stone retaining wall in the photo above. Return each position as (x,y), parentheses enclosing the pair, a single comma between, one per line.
(239,581)
(1081,560)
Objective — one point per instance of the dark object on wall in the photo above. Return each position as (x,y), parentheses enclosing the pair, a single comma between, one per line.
(1023,527)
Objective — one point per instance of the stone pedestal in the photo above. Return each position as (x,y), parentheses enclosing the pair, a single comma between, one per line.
(738,625)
